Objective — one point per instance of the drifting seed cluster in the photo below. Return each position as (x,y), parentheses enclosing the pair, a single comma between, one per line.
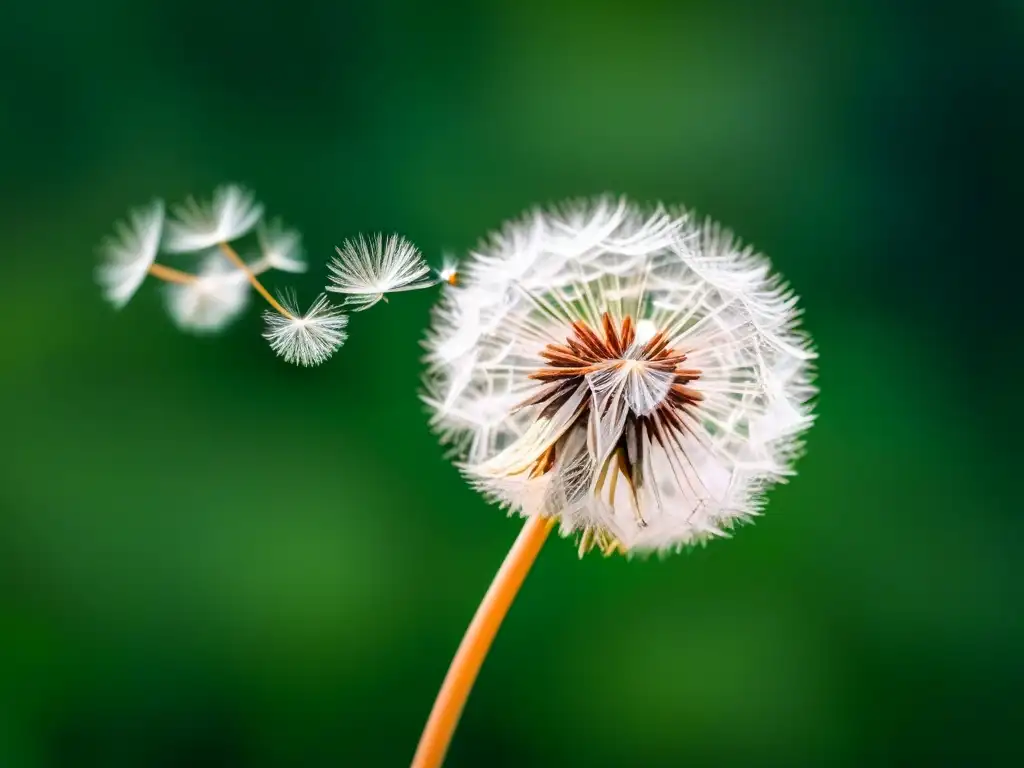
(209,298)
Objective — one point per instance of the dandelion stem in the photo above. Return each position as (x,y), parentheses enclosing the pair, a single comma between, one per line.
(451,699)
(170,275)
(240,263)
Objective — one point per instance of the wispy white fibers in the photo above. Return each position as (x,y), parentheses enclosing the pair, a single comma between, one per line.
(128,255)
(217,296)
(305,339)
(196,226)
(366,269)
(280,248)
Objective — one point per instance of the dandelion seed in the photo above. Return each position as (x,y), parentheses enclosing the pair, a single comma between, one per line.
(129,255)
(250,272)
(280,248)
(231,213)
(449,271)
(307,339)
(365,270)
(217,296)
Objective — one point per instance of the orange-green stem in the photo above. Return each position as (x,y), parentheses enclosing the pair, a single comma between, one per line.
(240,263)
(171,275)
(444,717)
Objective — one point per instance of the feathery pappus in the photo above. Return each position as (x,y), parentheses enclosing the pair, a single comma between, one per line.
(633,372)
(367,269)
(209,303)
(307,338)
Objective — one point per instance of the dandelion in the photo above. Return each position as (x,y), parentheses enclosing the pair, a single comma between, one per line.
(207,304)
(130,254)
(367,269)
(306,339)
(633,376)
(231,213)
(280,248)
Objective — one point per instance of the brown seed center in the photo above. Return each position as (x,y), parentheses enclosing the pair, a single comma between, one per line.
(587,351)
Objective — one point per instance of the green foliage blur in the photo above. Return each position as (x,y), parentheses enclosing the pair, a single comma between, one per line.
(208,557)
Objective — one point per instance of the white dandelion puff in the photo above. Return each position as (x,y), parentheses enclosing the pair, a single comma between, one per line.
(231,213)
(280,248)
(305,339)
(633,373)
(475,424)
(129,254)
(217,296)
(367,269)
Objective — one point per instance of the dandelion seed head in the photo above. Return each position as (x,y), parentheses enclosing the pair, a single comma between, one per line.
(366,269)
(128,255)
(306,339)
(197,226)
(634,372)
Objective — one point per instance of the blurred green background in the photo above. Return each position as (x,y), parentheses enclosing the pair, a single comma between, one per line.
(211,558)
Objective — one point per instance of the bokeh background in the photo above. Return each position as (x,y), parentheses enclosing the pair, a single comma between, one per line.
(208,557)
